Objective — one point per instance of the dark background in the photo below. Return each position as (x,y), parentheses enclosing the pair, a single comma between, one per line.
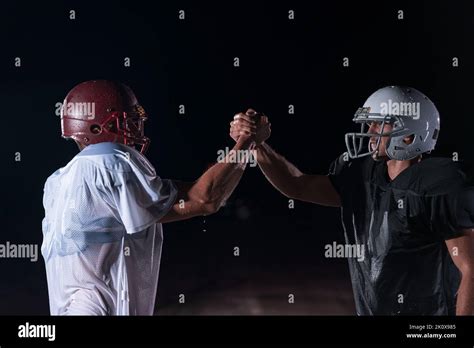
(190,62)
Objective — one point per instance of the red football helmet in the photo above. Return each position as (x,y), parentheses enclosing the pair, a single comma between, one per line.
(101,111)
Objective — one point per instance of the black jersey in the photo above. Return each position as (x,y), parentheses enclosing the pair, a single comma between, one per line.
(402,226)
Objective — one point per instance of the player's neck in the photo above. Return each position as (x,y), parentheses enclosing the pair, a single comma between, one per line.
(395,167)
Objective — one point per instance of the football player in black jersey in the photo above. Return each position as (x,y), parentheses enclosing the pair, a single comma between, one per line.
(411,215)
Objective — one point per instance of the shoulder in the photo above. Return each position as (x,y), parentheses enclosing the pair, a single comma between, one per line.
(344,164)
(439,175)
(348,174)
(449,185)
(106,165)
(116,158)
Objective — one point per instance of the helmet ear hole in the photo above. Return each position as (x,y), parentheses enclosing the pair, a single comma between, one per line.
(96,129)
(409,139)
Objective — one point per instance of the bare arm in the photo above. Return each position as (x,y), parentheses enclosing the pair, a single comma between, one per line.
(290,181)
(461,250)
(208,193)
(282,174)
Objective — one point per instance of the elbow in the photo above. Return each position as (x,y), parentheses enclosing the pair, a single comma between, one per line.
(212,201)
(205,203)
(292,189)
(211,207)
(288,195)
(467,271)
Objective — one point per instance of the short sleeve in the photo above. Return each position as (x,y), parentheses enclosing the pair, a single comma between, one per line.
(451,213)
(141,199)
(339,174)
(465,208)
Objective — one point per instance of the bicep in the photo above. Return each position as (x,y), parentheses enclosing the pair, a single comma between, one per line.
(186,204)
(461,250)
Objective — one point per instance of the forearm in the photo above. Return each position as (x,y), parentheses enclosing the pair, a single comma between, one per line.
(465,300)
(208,193)
(215,186)
(464,261)
(278,170)
(290,181)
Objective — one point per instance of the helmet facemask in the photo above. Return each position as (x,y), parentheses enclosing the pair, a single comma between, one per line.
(134,129)
(127,127)
(355,142)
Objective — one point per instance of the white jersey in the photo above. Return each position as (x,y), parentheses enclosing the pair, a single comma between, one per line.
(101,236)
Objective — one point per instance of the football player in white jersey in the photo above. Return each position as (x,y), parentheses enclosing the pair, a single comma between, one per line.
(102,233)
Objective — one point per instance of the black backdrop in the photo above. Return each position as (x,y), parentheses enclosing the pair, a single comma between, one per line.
(190,62)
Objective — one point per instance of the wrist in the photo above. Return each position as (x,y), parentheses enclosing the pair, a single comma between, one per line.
(260,146)
(244,142)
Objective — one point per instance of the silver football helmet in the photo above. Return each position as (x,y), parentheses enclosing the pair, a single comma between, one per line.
(410,113)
